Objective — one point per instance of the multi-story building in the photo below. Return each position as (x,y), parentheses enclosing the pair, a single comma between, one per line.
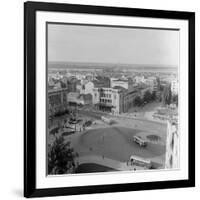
(174,87)
(57,85)
(57,100)
(142,90)
(128,99)
(75,98)
(50,82)
(152,83)
(71,84)
(87,88)
(57,76)
(115,100)
(64,82)
(101,82)
(139,79)
(124,83)
(172,146)
(108,99)
(86,99)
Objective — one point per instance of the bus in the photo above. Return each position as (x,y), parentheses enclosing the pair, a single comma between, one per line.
(139,140)
(141,162)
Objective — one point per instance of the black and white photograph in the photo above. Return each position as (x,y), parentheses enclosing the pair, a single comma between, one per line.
(112,99)
(109,99)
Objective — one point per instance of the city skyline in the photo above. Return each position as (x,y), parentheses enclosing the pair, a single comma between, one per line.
(94,44)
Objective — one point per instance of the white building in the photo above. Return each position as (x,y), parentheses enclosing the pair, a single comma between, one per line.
(124,83)
(57,76)
(174,87)
(79,87)
(139,79)
(108,99)
(73,97)
(87,88)
(114,100)
(172,157)
(80,76)
(152,83)
(79,99)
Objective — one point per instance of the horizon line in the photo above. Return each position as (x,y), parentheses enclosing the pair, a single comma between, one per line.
(111,63)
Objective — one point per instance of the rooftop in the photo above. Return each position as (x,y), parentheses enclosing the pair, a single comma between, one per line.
(57,90)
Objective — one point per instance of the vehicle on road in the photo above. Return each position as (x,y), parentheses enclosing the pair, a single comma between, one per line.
(139,140)
(139,161)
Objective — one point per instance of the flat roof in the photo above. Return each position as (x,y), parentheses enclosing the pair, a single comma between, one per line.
(57,90)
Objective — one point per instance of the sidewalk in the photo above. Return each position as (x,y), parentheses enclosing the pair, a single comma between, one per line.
(114,164)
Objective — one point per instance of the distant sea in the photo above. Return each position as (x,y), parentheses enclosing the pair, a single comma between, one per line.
(111,66)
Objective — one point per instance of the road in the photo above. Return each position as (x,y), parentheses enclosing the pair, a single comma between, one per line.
(114,164)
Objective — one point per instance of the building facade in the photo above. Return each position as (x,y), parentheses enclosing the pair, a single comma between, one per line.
(57,101)
(75,98)
(124,83)
(108,100)
(128,99)
(172,146)
(71,84)
(114,100)
(87,88)
(139,79)
(174,87)
(152,83)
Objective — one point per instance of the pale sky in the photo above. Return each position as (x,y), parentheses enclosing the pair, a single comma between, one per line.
(75,43)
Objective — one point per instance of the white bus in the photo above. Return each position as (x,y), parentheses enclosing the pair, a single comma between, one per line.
(141,162)
(139,140)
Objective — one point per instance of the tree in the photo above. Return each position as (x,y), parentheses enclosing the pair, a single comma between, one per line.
(137,101)
(161,88)
(175,99)
(147,96)
(63,85)
(61,157)
(153,96)
(158,83)
(167,95)
(159,96)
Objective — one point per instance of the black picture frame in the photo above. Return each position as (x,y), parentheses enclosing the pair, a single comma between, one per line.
(30,9)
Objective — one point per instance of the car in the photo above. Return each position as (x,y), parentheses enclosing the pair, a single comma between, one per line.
(139,140)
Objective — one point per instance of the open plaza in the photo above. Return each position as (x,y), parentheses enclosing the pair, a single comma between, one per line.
(104,146)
